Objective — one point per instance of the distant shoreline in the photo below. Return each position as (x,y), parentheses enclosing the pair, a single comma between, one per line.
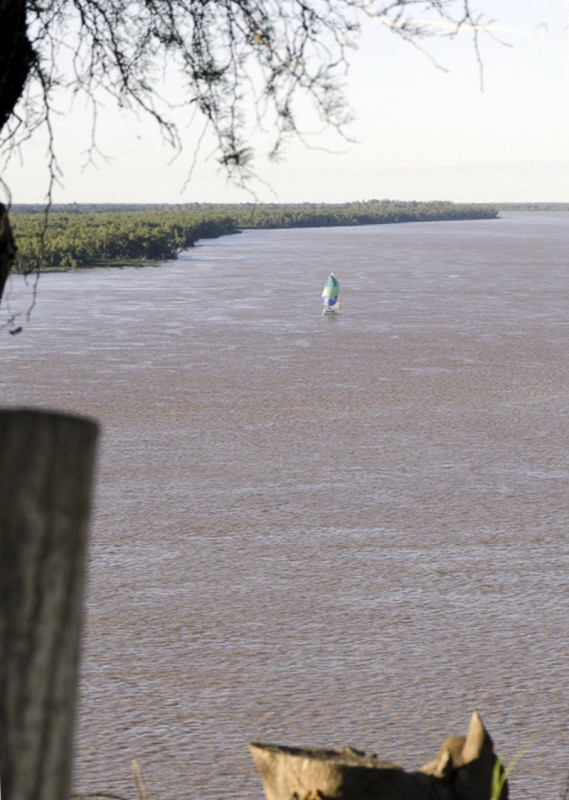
(98,236)
(75,236)
(82,208)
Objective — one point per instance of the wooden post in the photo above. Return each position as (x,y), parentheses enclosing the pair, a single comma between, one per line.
(46,476)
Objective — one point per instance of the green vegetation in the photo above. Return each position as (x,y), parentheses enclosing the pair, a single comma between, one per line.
(72,237)
(501,774)
(72,240)
(532,206)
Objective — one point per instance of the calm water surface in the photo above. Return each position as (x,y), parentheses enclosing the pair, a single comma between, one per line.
(319,531)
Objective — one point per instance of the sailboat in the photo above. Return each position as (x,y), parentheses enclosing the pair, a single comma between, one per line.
(331,296)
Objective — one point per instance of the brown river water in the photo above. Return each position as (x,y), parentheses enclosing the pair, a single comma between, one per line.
(318,531)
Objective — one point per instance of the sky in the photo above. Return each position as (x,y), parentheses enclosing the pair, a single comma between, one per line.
(426,128)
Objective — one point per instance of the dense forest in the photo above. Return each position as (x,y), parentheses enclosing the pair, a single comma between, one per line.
(75,236)
(532,206)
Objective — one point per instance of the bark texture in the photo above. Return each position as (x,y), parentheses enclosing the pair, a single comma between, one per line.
(46,473)
(463,770)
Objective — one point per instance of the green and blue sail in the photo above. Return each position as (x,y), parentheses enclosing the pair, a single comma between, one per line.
(331,291)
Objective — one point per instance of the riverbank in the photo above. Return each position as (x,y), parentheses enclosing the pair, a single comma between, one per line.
(81,237)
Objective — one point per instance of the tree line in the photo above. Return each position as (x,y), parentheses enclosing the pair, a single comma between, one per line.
(75,236)
(532,206)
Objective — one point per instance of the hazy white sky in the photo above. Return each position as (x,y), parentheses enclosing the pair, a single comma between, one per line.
(422,132)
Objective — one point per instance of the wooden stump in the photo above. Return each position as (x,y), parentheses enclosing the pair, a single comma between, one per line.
(46,476)
(463,770)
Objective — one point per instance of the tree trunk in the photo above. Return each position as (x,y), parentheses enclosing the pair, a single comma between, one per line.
(16,55)
(46,474)
(7,248)
(16,58)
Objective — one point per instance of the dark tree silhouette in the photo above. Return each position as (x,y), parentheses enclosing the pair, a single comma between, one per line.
(7,247)
(233,56)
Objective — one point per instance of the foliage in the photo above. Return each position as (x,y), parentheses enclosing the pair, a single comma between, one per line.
(238,67)
(532,206)
(239,64)
(79,240)
(500,773)
(73,239)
